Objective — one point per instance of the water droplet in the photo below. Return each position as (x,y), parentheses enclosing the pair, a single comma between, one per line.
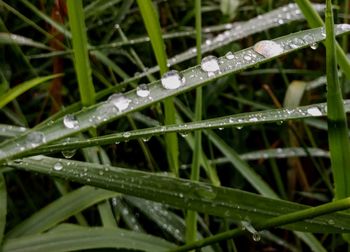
(331,222)
(184,134)
(314,111)
(70,121)
(253,119)
(210,64)
(256,236)
(119,101)
(172,80)
(58,166)
(68,153)
(146,139)
(314,46)
(268,48)
(126,134)
(206,192)
(229,56)
(247,226)
(142,90)
(35,138)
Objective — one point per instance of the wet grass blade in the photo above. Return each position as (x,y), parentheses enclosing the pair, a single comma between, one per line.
(60,210)
(10,38)
(83,238)
(185,194)
(339,145)
(150,18)
(104,112)
(21,88)
(315,20)
(81,57)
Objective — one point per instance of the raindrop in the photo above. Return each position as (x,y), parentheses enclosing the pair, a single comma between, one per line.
(119,101)
(331,222)
(229,56)
(172,80)
(142,90)
(314,111)
(35,138)
(184,134)
(268,48)
(314,46)
(254,119)
(206,192)
(256,236)
(210,64)
(126,134)
(146,139)
(70,121)
(58,166)
(247,226)
(68,153)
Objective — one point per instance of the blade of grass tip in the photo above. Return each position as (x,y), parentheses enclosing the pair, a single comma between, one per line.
(152,25)
(12,93)
(314,21)
(337,124)
(80,52)
(3,206)
(191,218)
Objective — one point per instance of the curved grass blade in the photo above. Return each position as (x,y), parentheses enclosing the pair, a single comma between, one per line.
(81,238)
(3,206)
(237,120)
(12,93)
(185,194)
(105,112)
(59,210)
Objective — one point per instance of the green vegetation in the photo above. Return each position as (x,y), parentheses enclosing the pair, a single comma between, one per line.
(249,152)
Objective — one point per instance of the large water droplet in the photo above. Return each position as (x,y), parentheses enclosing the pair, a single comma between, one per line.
(58,166)
(142,90)
(314,46)
(35,138)
(119,101)
(172,80)
(268,48)
(210,64)
(70,121)
(314,111)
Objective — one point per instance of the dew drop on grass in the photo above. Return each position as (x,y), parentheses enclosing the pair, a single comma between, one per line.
(247,226)
(314,46)
(119,101)
(206,192)
(58,166)
(126,134)
(210,64)
(35,138)
(229,56)
(68,153)
(70,121)
(172,80)
(256,236)
(331,222)
(142,90)
(314,111)
(268,48)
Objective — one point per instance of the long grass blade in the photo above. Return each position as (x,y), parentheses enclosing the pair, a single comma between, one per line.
(3,206)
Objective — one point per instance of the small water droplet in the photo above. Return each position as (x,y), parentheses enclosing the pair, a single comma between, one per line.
(126,134)
(172,80)
(210,64)
(68,153)
(70,121)
(184,134)
(268,48)
(142,90)
(119,101)
(146,138)
(331,222)
(229,56)
(206,192)
(314,111)
(256,236)
(35,138)
(58,166)
(314,46)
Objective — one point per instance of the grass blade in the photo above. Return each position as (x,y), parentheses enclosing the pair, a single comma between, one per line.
(3,206)
(339,144)
(23,87)
(60,210)
(150,18)
(81,58)
(201,197)
(82,238)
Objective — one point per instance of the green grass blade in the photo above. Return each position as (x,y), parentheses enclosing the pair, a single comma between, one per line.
(21,88)
(10,38)
(315,20)
(150,19)
(81,57)
(104,112)
(60,210)
(83,238)
(3,206)
(202,197)
(337,123)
